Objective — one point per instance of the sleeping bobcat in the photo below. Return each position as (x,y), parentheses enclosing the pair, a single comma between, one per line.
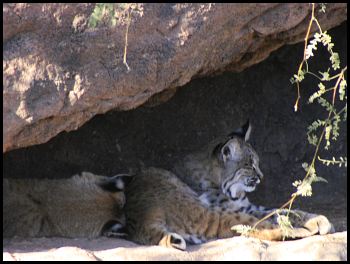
(205,197)
(85,205)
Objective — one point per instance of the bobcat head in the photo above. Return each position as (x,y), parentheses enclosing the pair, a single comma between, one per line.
(228,163)
(238,163)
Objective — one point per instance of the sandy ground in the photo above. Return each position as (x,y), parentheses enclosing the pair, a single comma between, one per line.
(328,247)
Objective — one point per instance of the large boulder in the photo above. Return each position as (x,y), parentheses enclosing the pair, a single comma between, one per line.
(327,247)
(58,72)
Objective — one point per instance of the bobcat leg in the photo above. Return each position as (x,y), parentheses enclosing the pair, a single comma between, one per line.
(265,230)
(276,234)
(226,221)
(315,224)
(305,225)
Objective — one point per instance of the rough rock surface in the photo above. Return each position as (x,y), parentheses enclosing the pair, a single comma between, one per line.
(328,247)
(58,73)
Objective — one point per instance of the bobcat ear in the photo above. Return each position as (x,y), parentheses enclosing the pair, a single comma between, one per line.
(116,183)
(230,151)
(217,149)
(243,132)
(126,178)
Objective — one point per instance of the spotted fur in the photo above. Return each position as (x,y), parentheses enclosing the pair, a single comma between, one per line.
(85,205)
(223,172)
(171,214)
(204,197)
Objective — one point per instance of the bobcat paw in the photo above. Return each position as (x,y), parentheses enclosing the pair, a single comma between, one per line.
(313,224)
(173,240)
(319,224)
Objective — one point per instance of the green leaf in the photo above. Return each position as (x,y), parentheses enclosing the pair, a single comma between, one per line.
(285,225)
(123,6)
(321,91)
(92,22)
(335,61)
(304,188)
(322,8)
(327,135)
(296,183)
(325,38)
(113,21)
(312,138)
(305,166)
(342,161)
(312,46)
(342,87)
(300,76)
(325,75)
(325,104)
(102,11)
(242,229)
(321,86)
(319,179)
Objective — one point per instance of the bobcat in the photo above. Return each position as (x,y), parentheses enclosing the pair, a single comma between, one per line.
(204,197)
(85,205)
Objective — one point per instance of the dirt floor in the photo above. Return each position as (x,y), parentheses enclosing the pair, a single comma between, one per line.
(201,110)
(327,247)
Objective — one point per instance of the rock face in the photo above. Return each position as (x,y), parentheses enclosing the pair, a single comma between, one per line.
(58,73)
(328,247)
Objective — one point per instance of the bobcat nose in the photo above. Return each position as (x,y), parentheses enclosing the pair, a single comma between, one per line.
(253,181)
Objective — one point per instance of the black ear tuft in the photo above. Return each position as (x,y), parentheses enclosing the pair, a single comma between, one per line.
(242,131)
(217,149)
(127,178)
(116,183)
(245,127)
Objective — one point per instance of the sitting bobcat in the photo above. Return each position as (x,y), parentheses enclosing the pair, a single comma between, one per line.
(204,197)
(85,205)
